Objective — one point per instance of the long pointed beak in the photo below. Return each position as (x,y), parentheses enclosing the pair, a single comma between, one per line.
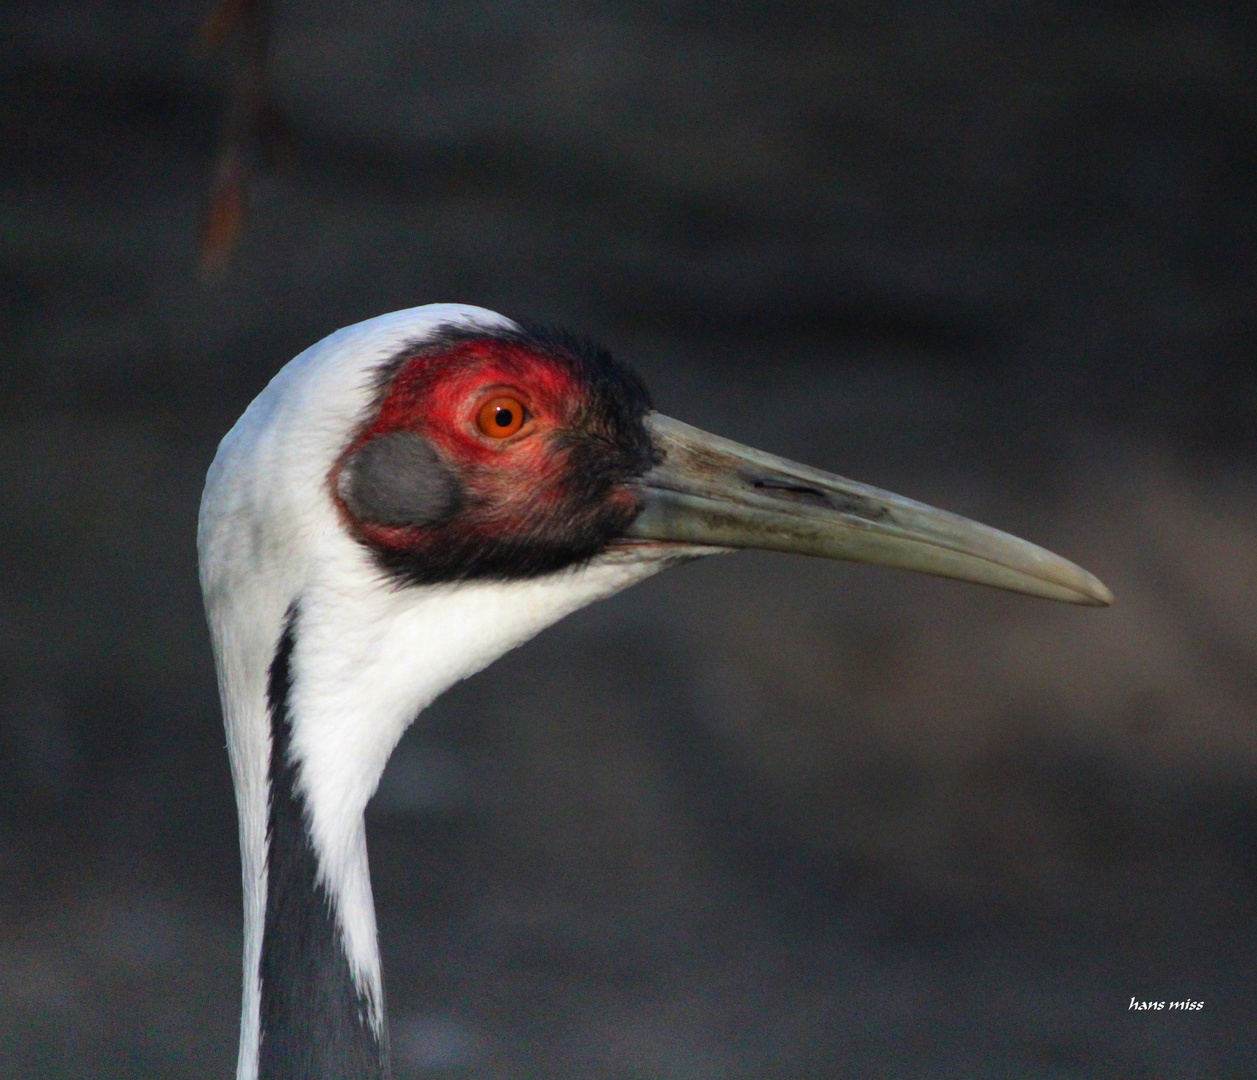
(710,491)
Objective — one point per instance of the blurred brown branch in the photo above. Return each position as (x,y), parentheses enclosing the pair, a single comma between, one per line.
(246,23)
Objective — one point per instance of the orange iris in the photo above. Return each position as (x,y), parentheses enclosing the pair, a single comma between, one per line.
(500,417)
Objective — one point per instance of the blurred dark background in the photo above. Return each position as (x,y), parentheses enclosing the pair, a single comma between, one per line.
(761,818)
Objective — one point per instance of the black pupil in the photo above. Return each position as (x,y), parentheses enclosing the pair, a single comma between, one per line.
(503,417)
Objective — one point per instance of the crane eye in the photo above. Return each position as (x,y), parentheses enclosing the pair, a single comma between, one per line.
(501,417)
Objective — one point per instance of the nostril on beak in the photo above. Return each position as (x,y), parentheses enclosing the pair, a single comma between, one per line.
(795,492)
(832,500)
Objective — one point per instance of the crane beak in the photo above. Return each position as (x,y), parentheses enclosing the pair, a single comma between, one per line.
(714,492)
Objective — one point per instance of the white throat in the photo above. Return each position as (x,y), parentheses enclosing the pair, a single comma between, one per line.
(365,663)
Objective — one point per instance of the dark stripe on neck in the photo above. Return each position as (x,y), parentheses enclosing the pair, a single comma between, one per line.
(315,1024)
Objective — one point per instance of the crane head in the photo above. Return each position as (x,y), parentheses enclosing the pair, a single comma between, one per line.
(508,452)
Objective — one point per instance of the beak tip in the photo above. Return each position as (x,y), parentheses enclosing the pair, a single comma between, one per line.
(1099,595)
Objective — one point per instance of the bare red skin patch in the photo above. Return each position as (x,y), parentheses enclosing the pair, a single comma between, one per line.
(551,484)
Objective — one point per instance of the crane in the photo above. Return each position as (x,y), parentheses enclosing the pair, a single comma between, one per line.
(407,500)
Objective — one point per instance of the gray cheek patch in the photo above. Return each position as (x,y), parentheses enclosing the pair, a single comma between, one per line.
(399,479)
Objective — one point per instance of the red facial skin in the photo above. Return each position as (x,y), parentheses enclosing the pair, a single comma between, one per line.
(520,489)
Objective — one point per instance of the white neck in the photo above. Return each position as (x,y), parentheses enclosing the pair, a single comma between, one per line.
(367,658)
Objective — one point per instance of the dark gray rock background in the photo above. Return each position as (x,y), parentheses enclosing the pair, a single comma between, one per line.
(760,818)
